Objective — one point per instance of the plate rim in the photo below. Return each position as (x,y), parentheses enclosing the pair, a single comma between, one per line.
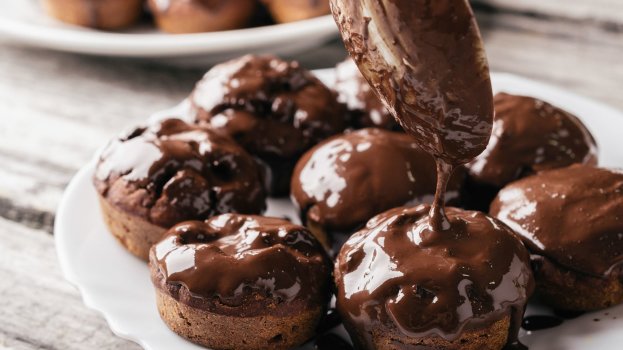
(66,270)
(75,39)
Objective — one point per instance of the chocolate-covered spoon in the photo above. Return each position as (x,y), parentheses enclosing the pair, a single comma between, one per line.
(425,60)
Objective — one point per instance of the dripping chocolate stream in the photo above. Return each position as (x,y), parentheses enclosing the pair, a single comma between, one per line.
(438,219)
(425,60)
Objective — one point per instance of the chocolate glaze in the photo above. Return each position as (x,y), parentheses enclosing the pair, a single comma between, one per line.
(331,342)
(173,171)
(275,109)
(567,215)
(530,135)
(425,60)
(346,180)
(366,110)
(540,322)
(243,266)
(398,274)
(329,321)
(568,314)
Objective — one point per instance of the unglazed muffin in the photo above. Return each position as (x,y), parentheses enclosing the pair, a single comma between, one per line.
(365,108)
(402,285)
(195,16)
(157,176)
(529,135)
(571,219)
(241,282)
(295,10)
(275,109)
(343,182)
(101,14)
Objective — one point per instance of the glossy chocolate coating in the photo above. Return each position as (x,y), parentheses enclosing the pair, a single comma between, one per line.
(242,266)
(530,135)
(399,275)
(275,109)
(365,108)
(346,180)
(173,171)
(573,216)
(425,59)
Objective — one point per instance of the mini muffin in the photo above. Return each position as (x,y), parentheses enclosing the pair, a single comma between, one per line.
(365,108)
(402,285)
(295,10)
(157,176)
(196,16)
(241,282)
(343,182)
(275,109)
(529,135)
(571,219)
(100,14)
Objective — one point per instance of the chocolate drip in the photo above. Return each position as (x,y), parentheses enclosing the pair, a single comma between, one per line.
(331,342)
(330,320)
(568,314)
(540,322)
(566,215)
(173,171)
(233,260)
(438,220)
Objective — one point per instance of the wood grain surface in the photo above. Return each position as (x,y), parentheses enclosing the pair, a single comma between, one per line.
(56,109)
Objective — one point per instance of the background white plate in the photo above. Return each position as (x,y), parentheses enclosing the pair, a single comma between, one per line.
(116,284)
(25,22)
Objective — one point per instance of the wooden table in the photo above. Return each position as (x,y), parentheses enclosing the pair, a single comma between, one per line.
(56,109)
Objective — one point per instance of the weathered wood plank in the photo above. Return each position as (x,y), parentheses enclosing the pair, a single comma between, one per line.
(578,57)
(39,310)
(57,109)
(606,12)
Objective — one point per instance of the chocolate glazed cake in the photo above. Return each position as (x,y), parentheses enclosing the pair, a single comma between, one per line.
(108,14)
(571,219)
(157,176)
(196,16)
(428,277)
(241,282)
(400,282)
(343,182)
(529,135)
(284,11)
(275,109)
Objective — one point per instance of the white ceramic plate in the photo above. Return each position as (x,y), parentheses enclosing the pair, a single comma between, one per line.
(25,22)
(116,284)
